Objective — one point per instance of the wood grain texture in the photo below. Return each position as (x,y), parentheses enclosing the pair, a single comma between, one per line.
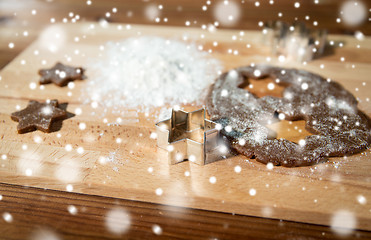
(308,194)
(16,16)
(38,212)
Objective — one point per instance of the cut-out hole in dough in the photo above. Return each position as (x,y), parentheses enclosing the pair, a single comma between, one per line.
(263,87)
(293,131)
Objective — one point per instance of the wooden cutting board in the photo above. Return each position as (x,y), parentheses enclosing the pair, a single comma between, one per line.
(136,168)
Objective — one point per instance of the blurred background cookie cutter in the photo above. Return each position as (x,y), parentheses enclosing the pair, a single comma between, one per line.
(190,136)
(296,41)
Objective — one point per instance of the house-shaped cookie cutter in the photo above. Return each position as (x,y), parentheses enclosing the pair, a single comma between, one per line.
(189,136)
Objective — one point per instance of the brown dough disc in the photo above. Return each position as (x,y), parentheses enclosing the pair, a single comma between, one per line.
(330,113)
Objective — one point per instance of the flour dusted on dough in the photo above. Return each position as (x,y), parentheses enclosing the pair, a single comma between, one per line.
(330,112)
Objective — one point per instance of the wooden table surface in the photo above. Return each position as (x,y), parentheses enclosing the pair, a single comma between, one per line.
(37,212)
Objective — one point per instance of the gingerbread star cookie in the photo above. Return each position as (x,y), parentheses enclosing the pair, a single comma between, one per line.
(61,74)
(38,116)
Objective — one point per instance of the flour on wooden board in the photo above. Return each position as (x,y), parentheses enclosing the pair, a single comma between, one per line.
(147,72)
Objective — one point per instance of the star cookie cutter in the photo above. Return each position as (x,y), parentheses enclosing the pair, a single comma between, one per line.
(189,135)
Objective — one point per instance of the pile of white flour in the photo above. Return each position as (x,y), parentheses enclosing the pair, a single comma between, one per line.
(146,72)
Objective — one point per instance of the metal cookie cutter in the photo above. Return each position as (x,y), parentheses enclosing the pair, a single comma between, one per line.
(188,135)
(296,41)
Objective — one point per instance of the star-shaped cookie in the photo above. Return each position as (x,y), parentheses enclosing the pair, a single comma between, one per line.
(38,116)
(61,74)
